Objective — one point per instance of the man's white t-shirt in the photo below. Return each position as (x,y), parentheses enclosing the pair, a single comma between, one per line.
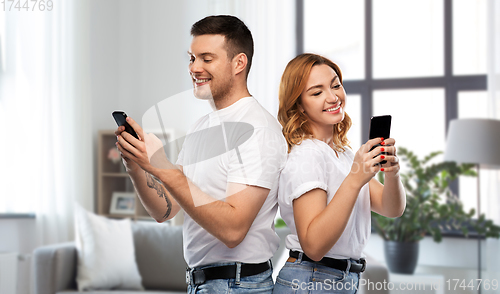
(314,165)
(241,144)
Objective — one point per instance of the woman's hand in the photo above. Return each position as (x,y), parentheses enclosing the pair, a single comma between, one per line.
(391,168)
(366,163)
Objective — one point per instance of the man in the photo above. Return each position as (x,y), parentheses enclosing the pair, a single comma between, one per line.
(228,168)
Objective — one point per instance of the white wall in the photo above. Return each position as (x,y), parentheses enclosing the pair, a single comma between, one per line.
(138,59)
(19,235)
(135,63)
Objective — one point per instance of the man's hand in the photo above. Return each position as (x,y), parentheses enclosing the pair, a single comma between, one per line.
(137,150)
(156,153)
(130,166)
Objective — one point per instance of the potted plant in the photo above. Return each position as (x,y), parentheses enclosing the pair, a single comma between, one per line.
(431,208)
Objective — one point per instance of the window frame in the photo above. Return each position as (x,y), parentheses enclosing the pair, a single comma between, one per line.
(452,84)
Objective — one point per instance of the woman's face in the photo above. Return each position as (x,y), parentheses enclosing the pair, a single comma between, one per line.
(323,99)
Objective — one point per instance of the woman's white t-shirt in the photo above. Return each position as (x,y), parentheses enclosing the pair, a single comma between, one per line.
(313,164)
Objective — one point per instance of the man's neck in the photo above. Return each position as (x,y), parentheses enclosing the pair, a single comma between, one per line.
(229,99)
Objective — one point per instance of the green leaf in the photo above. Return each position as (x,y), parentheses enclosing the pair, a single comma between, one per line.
(431,206)
(280,223)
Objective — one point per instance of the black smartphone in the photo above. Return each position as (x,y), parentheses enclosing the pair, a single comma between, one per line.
(380,126)
(121,120)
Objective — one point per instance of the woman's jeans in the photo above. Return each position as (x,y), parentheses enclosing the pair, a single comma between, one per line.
(259,283)
(308,277)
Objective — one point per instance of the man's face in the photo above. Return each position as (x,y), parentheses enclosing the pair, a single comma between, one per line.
(210,68)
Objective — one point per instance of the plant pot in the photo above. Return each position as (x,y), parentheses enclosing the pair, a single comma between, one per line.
(401,257)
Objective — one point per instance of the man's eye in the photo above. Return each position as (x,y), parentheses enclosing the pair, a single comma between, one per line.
(191,59)
(207,60)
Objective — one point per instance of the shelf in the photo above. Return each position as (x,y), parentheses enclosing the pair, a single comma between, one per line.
(111,177)
(115,175)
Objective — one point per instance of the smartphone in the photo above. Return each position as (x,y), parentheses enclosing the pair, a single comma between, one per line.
(121,120)
(380,126)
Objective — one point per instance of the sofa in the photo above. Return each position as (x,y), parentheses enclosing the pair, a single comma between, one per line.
(159,257)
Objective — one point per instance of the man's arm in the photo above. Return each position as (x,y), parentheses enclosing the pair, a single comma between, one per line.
(229,220)
(154,197)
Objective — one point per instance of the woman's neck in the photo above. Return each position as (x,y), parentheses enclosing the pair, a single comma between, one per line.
(324,134)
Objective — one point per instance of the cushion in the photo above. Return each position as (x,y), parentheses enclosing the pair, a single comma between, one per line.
(106,257)
(158,250)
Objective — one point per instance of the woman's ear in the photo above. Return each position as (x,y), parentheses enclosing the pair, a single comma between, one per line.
(240,63)
(301,109)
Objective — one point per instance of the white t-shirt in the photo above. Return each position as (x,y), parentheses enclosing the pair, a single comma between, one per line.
(242,144)
(313,164)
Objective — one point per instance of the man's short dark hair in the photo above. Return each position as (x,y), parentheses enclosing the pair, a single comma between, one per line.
(237,36)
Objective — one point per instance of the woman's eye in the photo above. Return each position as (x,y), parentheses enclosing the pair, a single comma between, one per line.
(317,93)
(336,86)
(207,60)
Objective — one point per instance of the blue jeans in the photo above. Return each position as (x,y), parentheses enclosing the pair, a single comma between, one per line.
(259,283)
(308,277)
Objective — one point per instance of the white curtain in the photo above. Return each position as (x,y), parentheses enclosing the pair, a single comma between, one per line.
(45,113)
(272,24)
(492,193)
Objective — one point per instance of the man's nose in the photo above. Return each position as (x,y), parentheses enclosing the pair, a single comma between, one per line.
(195,67)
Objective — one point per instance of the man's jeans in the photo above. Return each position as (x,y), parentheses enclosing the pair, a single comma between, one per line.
(259,283)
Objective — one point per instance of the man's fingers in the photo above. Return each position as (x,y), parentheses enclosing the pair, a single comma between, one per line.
(124,153)
(133,142)
(125,145)
(119,130)
(137,128)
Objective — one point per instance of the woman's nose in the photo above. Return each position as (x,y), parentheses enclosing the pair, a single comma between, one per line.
(331,97)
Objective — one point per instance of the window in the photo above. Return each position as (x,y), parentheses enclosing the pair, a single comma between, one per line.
(417,60)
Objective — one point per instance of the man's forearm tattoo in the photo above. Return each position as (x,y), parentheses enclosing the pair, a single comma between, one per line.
(154,184)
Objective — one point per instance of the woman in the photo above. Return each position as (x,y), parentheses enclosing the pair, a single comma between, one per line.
(326,191)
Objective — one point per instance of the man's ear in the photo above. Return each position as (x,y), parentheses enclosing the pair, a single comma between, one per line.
(240,62)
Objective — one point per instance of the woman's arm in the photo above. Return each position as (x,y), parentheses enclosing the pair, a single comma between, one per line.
(320,225)
(389,199)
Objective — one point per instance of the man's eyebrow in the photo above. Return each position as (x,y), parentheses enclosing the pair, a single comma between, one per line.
(319,86)
(203,54)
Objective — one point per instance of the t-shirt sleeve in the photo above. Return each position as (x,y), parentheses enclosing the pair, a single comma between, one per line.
(258,160)
(180,157)
(304,171)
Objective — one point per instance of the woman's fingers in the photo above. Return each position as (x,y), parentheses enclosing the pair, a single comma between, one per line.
(371,143)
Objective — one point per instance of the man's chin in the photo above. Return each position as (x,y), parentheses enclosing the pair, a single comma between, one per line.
(202,94)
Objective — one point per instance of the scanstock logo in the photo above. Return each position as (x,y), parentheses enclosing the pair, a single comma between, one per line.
(218,141)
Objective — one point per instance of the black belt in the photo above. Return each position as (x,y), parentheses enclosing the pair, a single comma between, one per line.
(200,276)
(340,264)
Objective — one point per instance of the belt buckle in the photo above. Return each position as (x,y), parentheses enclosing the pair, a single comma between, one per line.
(199,277)
(363,263)
(188,276)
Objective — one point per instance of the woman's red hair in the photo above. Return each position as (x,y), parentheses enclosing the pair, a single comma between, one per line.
(295,124)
